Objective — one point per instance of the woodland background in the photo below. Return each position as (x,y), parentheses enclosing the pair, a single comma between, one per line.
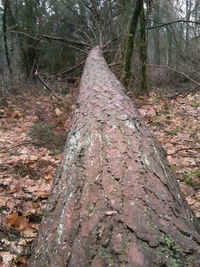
(53,36)
(43,47)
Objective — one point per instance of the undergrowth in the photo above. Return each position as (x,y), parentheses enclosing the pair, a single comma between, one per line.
(44,136)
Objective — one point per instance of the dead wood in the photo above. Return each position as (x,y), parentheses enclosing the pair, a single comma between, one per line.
(115,201)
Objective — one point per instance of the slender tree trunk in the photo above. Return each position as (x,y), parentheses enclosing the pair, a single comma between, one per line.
(169,48)
(157,34)
(114,200)
(188,15)
(130,42)
(5,37)
(196,16)
(29,48)
(143,53)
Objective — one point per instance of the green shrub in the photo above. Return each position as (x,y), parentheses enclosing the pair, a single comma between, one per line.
(192,179)
(43,135)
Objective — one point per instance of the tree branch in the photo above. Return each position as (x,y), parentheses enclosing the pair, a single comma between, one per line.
(48,37)
(172,22)
(69,70)
(180,72)
(46,85)
(72,42)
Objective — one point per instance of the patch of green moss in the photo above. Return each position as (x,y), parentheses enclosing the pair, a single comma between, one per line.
(3,102)
(23,169)
(43,135)
(106,255)
(173,131)
(14,153)
(195,103)
(165,109)
(173,257)
(174,167)
(63,90)
(189,179)
(167,120)
(91,210)
(156,123)
(155,100)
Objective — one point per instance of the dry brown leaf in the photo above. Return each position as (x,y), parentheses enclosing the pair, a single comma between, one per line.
(17,114)
(21,260)
(33,158)
(18,222)
(14,188)
(191,200)
(30,232)
(48,177)
(7,258)
(58,112)
(35,205)
(8,111)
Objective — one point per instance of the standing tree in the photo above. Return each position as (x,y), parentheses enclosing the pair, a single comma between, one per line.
(156,18)
(143,53)
(6,14)
(130,42)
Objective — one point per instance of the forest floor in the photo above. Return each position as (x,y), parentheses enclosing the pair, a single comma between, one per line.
(33,130)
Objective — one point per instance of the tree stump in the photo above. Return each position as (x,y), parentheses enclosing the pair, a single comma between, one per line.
(114,201)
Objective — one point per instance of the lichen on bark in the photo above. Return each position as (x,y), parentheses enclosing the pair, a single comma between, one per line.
(115,201)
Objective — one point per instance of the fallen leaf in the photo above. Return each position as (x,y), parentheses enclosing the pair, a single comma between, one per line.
(35,205)
(21,260)
(18,222)
(33,157)
(17,114)
(58,112)
(7,257)
(110,212)
(191,200)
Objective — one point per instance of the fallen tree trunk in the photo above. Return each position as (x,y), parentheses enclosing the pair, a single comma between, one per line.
(114,201)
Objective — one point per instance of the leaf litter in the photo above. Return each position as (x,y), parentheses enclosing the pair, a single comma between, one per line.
(176,124)
(27,167)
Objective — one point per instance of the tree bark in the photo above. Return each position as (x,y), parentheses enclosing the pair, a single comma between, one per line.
(130,42)
(5,36)
(157,34)
(169,48)
(143,54)
(187,30)
(115,201)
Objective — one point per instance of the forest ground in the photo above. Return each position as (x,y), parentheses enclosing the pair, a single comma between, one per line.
(33,130)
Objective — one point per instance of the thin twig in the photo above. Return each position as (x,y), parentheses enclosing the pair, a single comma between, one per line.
(54,38)
(114,64)
(180,72)
(172,22)
(21,144)
(181,149)
(113,40)
(72,42)
(69,70)
(46,86)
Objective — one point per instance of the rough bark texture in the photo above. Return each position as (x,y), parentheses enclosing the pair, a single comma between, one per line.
(130,42)
(143,53)
(4,27)
(114,201)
